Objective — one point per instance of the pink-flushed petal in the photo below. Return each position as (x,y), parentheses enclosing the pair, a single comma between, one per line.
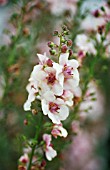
(68,97)
(63,112)
(49,96)
(45,107)
(47,138)
(73,63)
(50,153)
(63,58)
(57,89)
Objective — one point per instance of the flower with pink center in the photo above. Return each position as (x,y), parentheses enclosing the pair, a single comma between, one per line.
(24,158)
(49,151)
(69,71)
(58,130)
(54,107)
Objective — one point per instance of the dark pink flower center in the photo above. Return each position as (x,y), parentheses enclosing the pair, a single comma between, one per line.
(51,78)
(67,71)
(53,107)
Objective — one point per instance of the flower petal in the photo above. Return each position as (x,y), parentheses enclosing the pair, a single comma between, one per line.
(63,58)
(50,153)
(45,107)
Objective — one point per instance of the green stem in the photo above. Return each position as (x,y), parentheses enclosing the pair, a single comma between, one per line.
(36,138)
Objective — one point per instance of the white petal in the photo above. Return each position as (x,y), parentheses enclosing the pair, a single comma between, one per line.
(45,107)
(27,106)
(58,69)
(50,153)
(63,131)
(54,117)
(42,58)
(57,89)
(73,63)
(49,96)
(63,58)
(63,113)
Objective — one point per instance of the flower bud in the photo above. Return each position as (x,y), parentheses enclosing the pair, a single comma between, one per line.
(69,43)
(52,52)
(25,122)
(43,163)
(70,53)
(62,40)
(50,44)
(20,167)
(26,31)
(96,13)
(34,112)
(55,33)
(64,49)
(49,63)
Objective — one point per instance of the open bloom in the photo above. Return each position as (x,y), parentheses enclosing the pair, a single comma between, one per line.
(85,44)
(58,130)
(49,151)
(70,72)
(54,107)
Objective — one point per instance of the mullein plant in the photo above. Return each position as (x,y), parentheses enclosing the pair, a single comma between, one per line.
(52,84)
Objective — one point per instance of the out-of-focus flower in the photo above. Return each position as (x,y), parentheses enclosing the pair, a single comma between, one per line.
(3,2)
(24,159)
(85,44)
(49,151)
(58,130)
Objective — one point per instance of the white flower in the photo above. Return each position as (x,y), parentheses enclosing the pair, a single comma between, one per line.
(58,130)
(70,72)
(49,151)
(54,107)
(85,44)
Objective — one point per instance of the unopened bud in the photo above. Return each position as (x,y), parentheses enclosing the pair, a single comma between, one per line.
(64,49)
(50,44)
(52,51)
(64,27)
(43,163)
(49,63)
(96,13)
(26,31)
(101,29)
(70,53)
(55,33)
(34,112)
(25,122)
(62,40)
(69,43)
(20,167)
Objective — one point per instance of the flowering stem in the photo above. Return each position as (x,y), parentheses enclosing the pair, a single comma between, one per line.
(60,47)
(36,138)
